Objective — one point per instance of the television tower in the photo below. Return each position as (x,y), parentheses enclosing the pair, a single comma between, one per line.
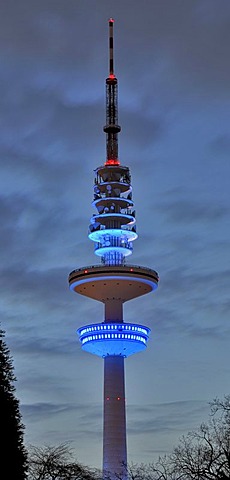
(113,229)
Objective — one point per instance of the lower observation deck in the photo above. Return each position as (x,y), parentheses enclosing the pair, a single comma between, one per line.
(116,339)
(116,282)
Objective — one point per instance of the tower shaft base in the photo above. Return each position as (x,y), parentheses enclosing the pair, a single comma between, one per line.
(114,445)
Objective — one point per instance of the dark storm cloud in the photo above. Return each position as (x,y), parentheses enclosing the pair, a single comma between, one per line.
(184,42)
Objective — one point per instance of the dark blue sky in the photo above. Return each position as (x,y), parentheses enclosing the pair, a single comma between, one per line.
(172,62)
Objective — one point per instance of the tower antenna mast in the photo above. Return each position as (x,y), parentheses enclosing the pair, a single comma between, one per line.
(111,128)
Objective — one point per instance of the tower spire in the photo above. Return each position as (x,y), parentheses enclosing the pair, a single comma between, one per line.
(113,229)
(111,128)
(111,63)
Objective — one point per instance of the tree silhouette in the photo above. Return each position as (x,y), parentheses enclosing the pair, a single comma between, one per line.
(13,452)
(203,454)
(57,463)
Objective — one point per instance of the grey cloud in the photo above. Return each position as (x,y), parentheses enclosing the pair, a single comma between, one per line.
(196,291)
(36,411)
(165,418)
(46,128)
(185,212)
(209,332)
(141,134)
(220,145)
(189,43)
(87,415)
(169,61)
(45,344)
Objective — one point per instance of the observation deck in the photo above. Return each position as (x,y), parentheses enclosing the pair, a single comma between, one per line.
(113,227)
(115,282)
(120,339)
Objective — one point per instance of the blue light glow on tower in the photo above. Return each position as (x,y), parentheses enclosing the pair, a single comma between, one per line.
(113,229)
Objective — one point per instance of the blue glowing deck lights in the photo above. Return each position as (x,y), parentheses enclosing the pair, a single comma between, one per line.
(117,339)
(113,227)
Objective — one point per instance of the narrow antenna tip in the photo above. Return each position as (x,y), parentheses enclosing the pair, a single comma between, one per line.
(111,66)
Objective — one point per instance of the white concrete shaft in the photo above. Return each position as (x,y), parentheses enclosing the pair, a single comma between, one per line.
(113,310)
(114,434)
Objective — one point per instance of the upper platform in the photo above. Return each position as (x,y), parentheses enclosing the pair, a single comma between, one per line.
(117,282)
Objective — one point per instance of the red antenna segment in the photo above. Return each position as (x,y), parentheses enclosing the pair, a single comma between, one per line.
(111,65)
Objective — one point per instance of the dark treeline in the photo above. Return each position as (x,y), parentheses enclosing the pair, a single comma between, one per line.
(13,452)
